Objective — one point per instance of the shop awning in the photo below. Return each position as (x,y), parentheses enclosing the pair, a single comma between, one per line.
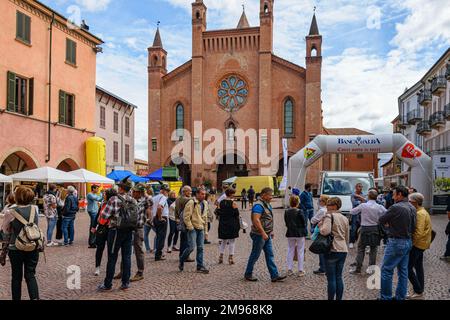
(46,175)
(91,177)
(156,176)
(119,175)
(5,179)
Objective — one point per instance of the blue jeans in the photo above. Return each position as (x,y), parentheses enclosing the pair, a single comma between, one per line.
(309,214)
(68,229)
(322,263)
(334,265)
(396,255)
(195,238)
(258,246)
(183,242)
(93,216)
(119,240)
(354,220)
(147,230)
(51,224)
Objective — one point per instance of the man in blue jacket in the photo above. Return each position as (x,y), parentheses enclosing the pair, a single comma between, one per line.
(93,199)
(306,204)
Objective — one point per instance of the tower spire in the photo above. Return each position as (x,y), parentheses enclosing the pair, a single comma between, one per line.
(243,22)
(157,42)
(314,29)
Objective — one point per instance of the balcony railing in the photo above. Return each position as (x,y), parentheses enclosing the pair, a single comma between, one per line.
(438,85)
(447,72)
(423,127)
(447,111)
(437,119)
(414,116)
(402,122)
(424,98)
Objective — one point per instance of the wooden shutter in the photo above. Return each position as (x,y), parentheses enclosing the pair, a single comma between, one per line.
(19,25)
(73,112)
(11,92)
(74,52)
(30,96)
(27,29)
(62,106)
(67,50)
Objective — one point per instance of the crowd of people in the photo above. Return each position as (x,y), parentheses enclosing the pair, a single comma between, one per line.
(121,221)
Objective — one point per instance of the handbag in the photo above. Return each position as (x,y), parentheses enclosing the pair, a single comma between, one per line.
(243,224)
(322,244)
(3,254)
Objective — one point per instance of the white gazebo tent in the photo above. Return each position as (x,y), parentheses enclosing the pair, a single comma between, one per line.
(91,177)
(4,180)
(46,175)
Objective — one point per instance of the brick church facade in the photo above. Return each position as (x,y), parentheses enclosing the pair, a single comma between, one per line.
(233,81)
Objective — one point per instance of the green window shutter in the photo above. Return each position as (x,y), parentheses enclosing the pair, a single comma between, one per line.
(27,29)
(74,52)
(11,92)
(73,111)
(62,107)
(30,96)
(19,25)
(67,50)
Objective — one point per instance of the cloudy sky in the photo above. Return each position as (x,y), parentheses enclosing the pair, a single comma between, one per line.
(372,49)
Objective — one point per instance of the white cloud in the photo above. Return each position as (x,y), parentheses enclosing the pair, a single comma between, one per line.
(94,5)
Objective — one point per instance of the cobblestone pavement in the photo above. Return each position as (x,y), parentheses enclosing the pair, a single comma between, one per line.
(164,281)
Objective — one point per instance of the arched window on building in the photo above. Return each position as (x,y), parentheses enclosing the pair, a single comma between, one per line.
(179,121)
(313,52)
(288,117)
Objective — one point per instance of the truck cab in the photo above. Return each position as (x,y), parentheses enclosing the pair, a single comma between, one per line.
(342,185)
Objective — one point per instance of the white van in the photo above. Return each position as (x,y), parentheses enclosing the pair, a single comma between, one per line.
(342,185)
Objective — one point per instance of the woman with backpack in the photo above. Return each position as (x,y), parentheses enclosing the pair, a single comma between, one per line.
(23,263)
(337,225)
(229,225)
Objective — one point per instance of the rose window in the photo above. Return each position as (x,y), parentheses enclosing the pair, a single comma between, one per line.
(232,93)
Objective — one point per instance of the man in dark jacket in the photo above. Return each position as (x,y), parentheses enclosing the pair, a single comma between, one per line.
(401,222)
(69,212)
(307,206)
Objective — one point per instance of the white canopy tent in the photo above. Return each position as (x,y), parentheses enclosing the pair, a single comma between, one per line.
(46,175)
(230,180)
(91,177)
(4,180)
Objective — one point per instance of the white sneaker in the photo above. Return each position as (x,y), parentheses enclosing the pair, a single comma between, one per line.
(301,273)
(97,271)
(351,245)
(50,244)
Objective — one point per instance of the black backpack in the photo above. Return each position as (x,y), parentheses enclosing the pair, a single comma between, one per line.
(128,214)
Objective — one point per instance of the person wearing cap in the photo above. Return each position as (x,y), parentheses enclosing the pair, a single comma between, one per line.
(118,239)
(160,216)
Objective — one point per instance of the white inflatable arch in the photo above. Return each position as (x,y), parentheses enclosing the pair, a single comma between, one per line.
(419,161)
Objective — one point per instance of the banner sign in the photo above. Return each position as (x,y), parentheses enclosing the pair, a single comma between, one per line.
(359,144)
(311,153)
(283,182)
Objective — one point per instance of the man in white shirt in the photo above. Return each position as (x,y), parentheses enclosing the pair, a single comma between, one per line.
(370,236)
(160,215)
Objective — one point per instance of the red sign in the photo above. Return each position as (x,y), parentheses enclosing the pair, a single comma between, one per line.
(410,151)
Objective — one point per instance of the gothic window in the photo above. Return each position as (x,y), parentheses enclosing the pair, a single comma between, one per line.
(313,52)
(232,93)
(288,118)
(180,120)
(231,131)
(266,8)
